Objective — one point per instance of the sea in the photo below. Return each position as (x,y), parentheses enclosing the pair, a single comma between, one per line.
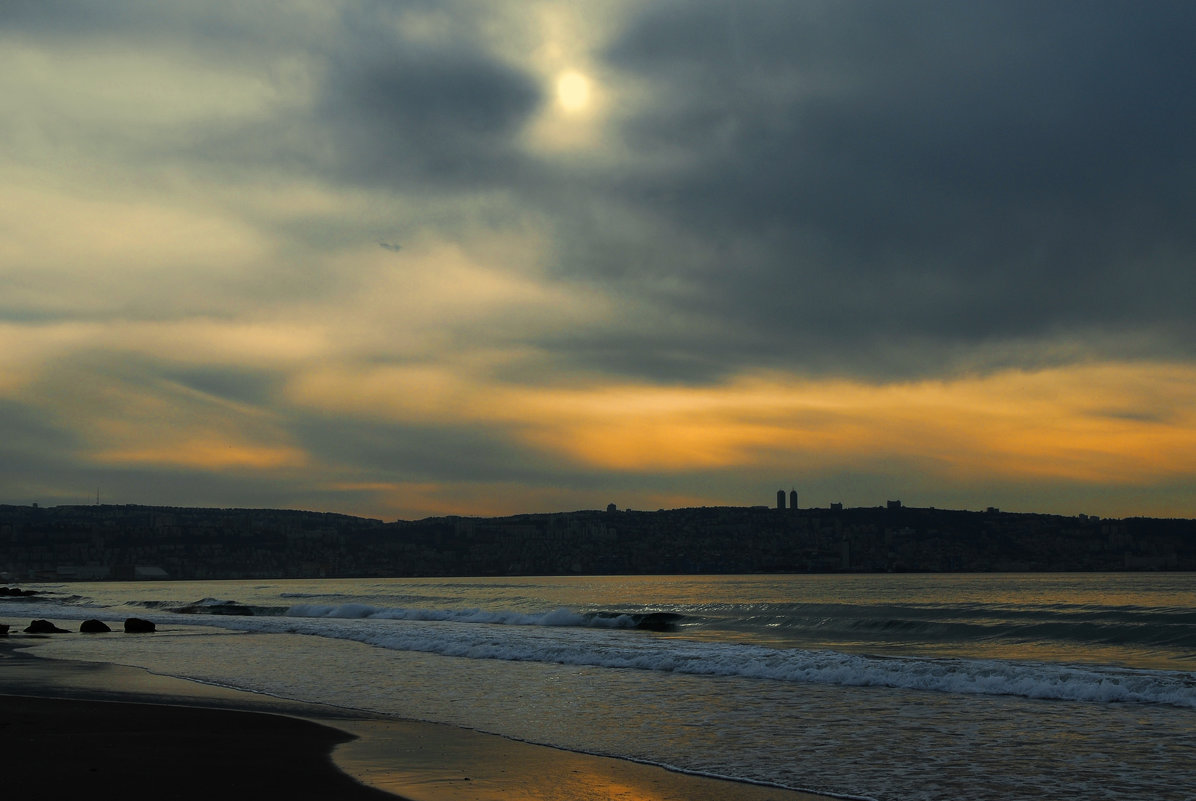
(909,687)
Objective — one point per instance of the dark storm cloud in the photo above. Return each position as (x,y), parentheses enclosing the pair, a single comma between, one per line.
(240,385)
(40,460)
(423,453)
(871,187)
(893,182)
(393,104)
(392,107)
(29,443)
(214,26)
(408,112)
(65,18)
(151,485)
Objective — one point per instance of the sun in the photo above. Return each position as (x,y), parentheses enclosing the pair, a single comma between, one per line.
(572,91)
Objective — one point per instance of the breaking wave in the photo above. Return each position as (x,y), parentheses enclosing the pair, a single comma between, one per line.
(536,639)
(653,621)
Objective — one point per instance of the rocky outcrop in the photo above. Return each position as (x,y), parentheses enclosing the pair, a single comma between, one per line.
(94,627)
(135,625)
(210,606)
(3,629)
(16,592)
(44,627)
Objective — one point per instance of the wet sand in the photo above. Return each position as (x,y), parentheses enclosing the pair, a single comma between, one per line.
(73,728)
(58,748)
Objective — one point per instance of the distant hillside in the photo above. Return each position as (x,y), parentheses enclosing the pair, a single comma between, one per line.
(129,542)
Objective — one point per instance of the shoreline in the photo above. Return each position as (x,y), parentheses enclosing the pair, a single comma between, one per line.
(72,748)
(74,729)
(363,756)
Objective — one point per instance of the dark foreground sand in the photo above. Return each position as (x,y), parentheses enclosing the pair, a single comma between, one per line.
(77,729)
(64,748)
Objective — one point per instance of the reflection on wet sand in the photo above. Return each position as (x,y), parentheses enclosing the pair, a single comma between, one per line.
(431,762)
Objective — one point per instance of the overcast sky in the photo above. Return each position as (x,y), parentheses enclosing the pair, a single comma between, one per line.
(399,259)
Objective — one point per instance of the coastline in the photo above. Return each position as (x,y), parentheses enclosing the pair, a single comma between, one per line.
(73,748)
(82,725)
(78,729)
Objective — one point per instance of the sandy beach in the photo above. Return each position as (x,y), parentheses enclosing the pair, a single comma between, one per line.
(68,748)
(73,728)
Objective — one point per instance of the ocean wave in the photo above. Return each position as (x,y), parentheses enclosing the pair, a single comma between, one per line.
(655,621)
(213,606)
(593,648)
(1173,627)
(600,640)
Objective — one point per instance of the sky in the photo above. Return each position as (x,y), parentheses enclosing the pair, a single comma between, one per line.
(413,258)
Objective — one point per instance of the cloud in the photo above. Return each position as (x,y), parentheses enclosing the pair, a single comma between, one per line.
(426,115)
(68,254)
(909,180)
(344,254)
(403,97)
(1075,423)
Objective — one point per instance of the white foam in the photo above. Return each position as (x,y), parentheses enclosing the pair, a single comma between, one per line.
(565,637)
(557,617)
(468,634)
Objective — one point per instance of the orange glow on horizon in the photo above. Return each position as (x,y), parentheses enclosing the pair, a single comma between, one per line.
(1127,424)
(207,455)
(1121,423)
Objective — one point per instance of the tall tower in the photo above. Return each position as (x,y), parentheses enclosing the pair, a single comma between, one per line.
(793,500)
(781,499)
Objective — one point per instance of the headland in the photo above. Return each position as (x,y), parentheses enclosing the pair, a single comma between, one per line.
(102,542)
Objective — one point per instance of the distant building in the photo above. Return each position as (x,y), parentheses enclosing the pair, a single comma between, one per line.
(837,507)
(611,508)
(793,500)
(894,504)
(781,499)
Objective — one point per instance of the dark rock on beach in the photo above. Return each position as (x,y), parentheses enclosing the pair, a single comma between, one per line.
(16,592)
(44,627)
(657,621)
(4,629)
(647,621)
(135,625)
(220,608)
(94,627)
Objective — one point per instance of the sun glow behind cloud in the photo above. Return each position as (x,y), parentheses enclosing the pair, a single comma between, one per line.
(573,92)
(579,94)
